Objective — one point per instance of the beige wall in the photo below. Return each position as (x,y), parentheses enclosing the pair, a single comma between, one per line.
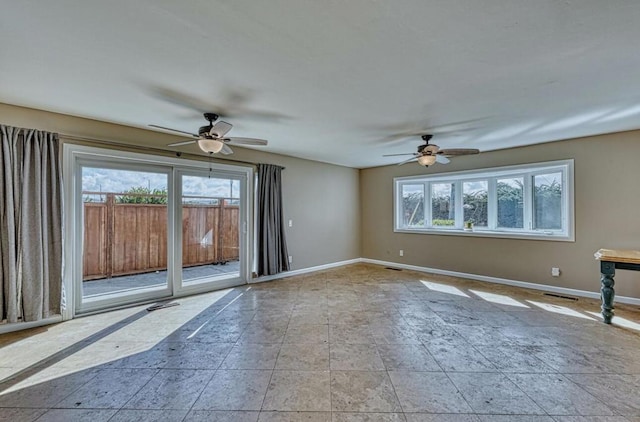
(321,199)
(341,213)
(607,203)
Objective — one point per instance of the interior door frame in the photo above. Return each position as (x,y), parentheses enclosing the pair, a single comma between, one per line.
(74,155)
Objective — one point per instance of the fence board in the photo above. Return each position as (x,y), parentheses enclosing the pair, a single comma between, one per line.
(123,238)
(95,242)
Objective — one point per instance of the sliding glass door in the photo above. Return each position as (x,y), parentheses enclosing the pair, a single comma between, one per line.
(144,228)
(212,231)
(124,215)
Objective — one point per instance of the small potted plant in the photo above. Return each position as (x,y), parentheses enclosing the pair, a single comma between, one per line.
(468,225)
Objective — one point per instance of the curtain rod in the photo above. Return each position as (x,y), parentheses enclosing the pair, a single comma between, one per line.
(147,149)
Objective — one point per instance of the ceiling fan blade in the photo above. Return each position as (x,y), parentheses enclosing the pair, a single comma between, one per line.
(459,151)
(442,159)
(220,129)
(395,155)
(226,150)
(175,130)
(246,141)
(407,161)
(177,144)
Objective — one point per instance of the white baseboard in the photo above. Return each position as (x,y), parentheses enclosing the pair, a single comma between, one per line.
(304,270)
(18,326)
(516,283)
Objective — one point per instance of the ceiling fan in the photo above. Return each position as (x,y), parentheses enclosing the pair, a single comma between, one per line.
(211,139)
(429,154)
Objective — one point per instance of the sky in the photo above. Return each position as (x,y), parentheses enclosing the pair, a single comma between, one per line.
(117,181)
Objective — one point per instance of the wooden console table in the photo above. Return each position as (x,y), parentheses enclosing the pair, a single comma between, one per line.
(610,260)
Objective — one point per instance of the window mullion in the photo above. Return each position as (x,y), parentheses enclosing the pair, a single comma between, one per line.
(459,212)
(428,205)
(492,204)
(527,202)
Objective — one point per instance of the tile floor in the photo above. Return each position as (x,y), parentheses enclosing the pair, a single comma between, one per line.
(357,343)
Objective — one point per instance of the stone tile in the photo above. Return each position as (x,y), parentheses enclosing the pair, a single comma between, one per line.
(234,390)
(171,389)
(489,336)
(110,389)
(20,415)
(368,417)
(350,334)
(407,357)
(440,417)
(515,358)
(307,334)
(514,418)
(559,396)
(619,392)
(77,415)
(355,357)
(594,419)
(395,334)
(305,391)
(295,417)
(459,356)
(256,333)
(430,392)
(309,318)
(47,393)
(128,415)
(210,333)
(573,360)
(304,357)
(221,416)
(491,393)
(194,356)
(252,356)
(347,317)
(360,391)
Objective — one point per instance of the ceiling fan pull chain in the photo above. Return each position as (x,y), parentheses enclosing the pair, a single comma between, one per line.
(210,164)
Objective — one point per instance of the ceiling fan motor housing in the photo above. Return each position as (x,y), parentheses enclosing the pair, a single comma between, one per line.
(204,130)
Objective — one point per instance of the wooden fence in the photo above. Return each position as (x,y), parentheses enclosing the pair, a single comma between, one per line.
(125,238)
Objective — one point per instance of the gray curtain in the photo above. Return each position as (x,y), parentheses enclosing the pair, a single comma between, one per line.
(30,224)
(272,247)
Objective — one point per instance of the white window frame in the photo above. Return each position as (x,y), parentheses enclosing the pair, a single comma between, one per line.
(526,171)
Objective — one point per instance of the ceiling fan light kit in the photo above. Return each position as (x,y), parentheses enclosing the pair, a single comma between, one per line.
(211,146)
(426,160)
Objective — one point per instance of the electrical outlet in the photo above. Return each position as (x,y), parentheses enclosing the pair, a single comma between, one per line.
(555,272)
(401,252)
(290,223)
(290,259)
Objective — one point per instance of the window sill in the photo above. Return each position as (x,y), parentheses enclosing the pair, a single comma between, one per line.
(491,233)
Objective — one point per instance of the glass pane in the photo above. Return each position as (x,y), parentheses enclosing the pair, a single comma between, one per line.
(510,194)
(474,202)
(210,228)
(547,200)
(124,230)
(443,204)
(413,205)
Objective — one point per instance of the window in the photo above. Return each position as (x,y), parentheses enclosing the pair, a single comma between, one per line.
(533,201)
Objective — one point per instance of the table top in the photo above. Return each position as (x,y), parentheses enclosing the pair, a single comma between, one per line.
(618,255)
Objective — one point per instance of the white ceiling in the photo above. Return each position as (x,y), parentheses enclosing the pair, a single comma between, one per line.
(342,75)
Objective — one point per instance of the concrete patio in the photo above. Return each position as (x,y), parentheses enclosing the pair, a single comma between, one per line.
(144,280)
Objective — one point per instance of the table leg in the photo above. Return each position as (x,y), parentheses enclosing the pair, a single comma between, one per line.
(607,293)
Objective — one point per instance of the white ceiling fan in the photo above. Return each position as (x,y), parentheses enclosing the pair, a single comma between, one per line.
(211,138)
